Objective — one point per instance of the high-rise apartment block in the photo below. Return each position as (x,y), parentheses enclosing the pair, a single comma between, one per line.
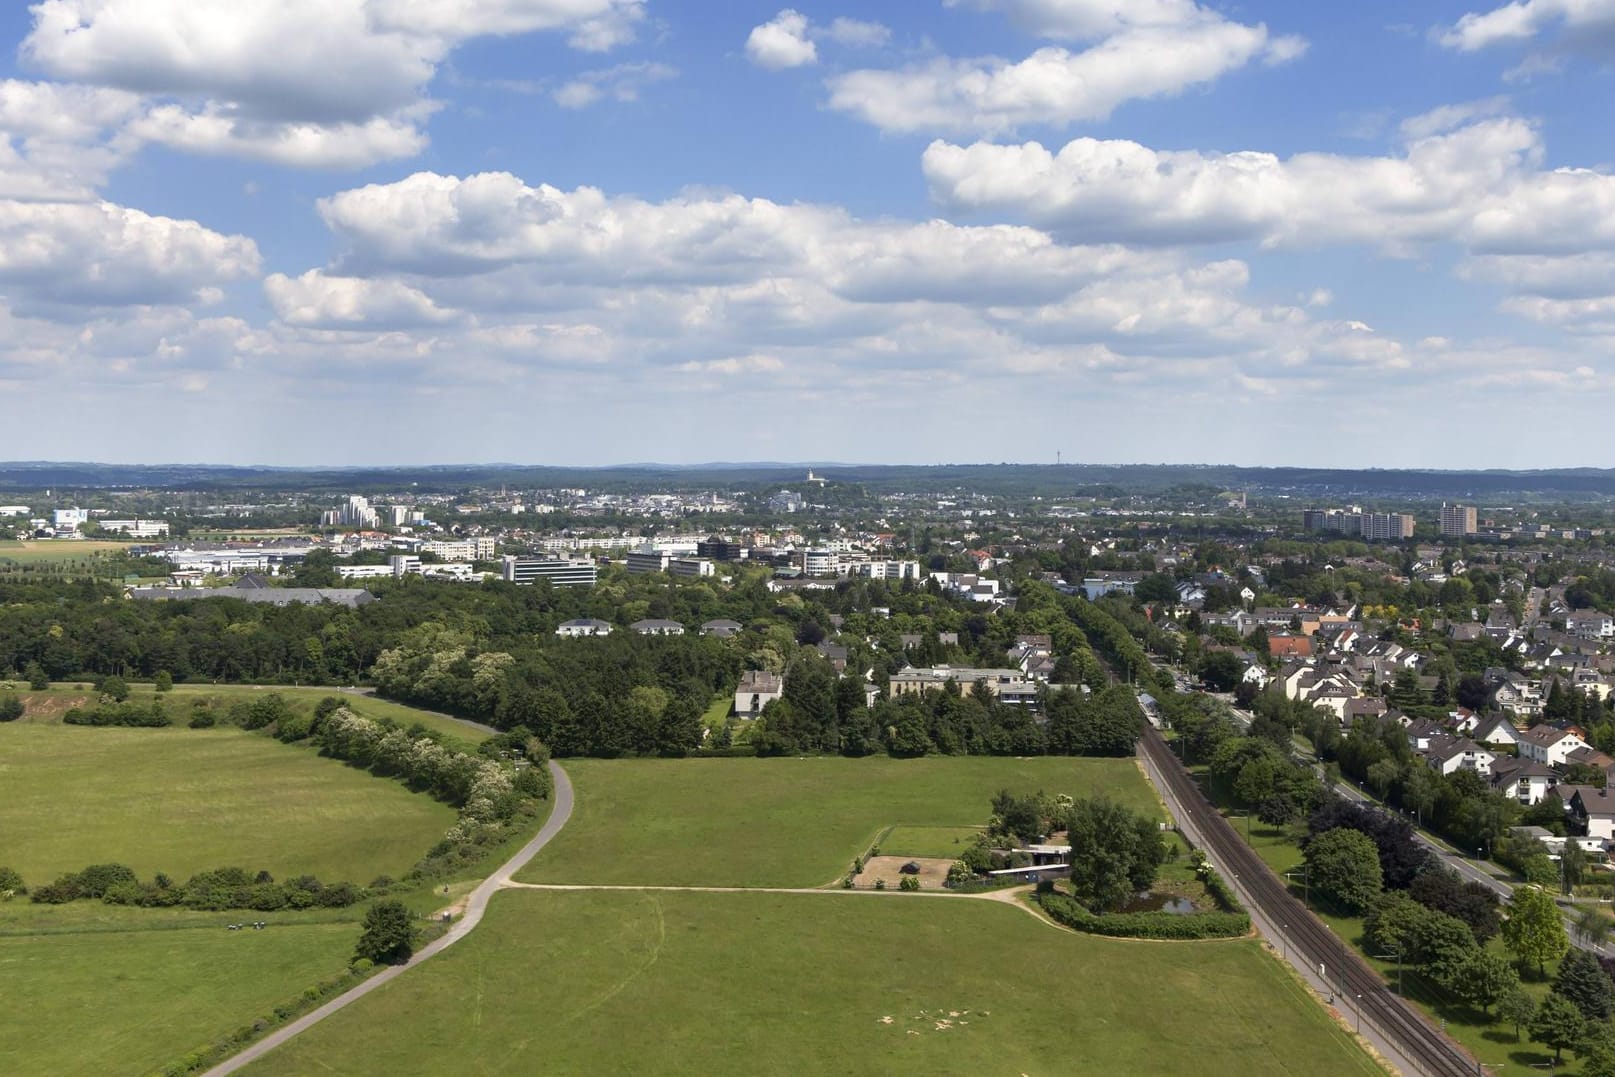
(1372,526)
(1457,520)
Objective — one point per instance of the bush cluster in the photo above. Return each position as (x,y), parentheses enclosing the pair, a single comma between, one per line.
(1146,925)
(222,888)
(120,714)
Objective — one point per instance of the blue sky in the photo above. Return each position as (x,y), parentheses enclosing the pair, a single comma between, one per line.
(587,231)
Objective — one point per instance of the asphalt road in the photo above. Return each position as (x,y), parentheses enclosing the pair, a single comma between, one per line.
(476,905)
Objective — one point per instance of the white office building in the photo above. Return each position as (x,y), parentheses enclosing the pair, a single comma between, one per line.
(526,570)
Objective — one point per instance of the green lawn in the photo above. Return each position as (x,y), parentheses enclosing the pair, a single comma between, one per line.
(670,983)
(717,715)
(933,841)
(57,550)
(181,800)
(786,822)
(102,1001)
(49,706)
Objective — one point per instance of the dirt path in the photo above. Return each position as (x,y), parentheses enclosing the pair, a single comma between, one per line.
(475,905)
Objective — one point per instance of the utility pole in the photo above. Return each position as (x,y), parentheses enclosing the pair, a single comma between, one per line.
(1398,957)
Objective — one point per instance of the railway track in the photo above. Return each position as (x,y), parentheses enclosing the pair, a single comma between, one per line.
(1420,1042)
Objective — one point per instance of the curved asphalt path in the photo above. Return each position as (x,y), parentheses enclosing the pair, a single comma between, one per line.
(476,904)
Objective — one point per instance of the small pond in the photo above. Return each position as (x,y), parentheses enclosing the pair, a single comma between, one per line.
(1149,901)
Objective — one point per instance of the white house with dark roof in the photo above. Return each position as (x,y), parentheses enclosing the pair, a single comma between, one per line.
(1449,755)
(584,626)
(1590,624)
(1548,745)
(1522,779)
(757,689)
(1593,807)
(1498,732)
(657,626)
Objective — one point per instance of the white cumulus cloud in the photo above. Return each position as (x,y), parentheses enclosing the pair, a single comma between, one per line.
(1158,49)
(1583,23)
(86,254)
(321,83)
(316,300)
(782,42)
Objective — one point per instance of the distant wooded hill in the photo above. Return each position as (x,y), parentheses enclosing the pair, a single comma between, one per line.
(1069,480)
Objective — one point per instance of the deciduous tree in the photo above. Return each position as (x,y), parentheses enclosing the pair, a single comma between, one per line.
(389,934)
(1557,1024)
(1534,930)
(1344,866)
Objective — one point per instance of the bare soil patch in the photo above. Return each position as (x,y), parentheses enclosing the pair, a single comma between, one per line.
(933,872)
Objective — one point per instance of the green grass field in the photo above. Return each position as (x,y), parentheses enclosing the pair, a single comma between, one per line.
(819,984)
(49,706)
(932,841)
(56,550)
(100,1001)
(182,800)
(786,822)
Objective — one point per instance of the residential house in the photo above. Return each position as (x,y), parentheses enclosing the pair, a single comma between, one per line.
(657,627)
(584,626)
(1423,733)
(722,628)
(1548,745)
(911,680)
(1104,583)
(1522,779)
(1362,707)
(1289,645)
(757,689)
(1592,807)
(835,654)
(1499,732)
(1590,624)
(1448,755)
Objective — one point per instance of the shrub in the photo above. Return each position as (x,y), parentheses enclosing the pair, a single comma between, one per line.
(164,681)
(11,708)
(1146,925)
(203,719)
(880,884)
(909,883)
(96,879)
(294,727)
(11,884)
(119,714)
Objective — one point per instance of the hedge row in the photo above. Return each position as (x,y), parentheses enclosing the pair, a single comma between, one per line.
(1146,925)
(120,714)
(223,888)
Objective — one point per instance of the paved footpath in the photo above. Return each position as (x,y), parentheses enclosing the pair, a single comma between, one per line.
(476,904)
